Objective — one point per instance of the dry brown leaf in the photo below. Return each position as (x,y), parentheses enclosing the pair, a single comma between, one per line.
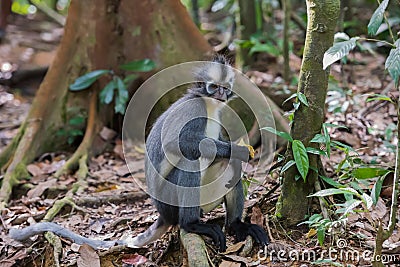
(121,170)
(107,134)
(9,262)
(118,150)
(88,257)
(235,247)
(229,264)
(379,210)
(38,190)
(257,217)
(134,259)
(34,169)
(53,167)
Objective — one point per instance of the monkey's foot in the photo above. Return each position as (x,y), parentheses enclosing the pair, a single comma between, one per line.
(211,230)
(241,230)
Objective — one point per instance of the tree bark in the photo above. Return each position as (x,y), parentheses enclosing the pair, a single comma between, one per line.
(322,18)
(99,34)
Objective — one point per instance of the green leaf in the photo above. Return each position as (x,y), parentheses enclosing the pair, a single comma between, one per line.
(377,17)
(331,181)
(301,158)
(369,172)
(78,120)
(367,200)
(318,138)
(290,97)
(267,48)
(316,151)
(335,125)
(352,206)
(302,98)
(378,97)
(376,189)
(107,94)
(335,191)
(130,78)
(284,135)
(341,146)
(321,235)
(75,132)
(122,97)
(338,51)
(87,80)
(392,63)
(288,164)
(143,65)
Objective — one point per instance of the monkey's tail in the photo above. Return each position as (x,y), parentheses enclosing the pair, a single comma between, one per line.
(154,232)
(39,228)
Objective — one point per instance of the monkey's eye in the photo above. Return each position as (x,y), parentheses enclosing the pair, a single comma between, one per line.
(211,87)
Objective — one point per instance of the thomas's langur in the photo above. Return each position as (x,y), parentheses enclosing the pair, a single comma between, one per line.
(189,168)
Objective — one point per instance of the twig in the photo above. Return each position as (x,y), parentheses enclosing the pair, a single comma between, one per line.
(60,19)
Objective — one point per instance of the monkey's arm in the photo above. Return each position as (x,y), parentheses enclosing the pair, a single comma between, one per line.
(194,146)
(39,228)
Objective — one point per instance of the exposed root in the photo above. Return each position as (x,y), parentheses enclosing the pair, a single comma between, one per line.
(58,205)
(195,248)
(55,241)
(11,178)
(8,154)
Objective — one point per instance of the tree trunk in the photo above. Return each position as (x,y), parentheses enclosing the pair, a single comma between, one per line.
(247,26)
(322,18)
(99,34)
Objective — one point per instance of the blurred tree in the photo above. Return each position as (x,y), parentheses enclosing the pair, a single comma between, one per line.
(247,27)
(99,34)
(5,11)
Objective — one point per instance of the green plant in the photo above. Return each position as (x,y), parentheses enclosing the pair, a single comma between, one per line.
(116,89)
(73,128)
(322,226)
(259,43)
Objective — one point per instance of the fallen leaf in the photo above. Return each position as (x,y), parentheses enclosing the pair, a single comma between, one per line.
(34,169)
(107,134)
(121,170)
(9,262)
(88,257)
(134,259)
(235,247)
(38,190)
(229,264)
(257,217)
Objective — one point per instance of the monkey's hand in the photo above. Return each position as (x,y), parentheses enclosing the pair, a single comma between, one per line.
(241,230)
(249,147)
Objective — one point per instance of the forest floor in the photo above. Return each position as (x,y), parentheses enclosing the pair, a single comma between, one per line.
(112,203)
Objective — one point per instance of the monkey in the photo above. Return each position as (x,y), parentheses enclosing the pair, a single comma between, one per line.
(190,168)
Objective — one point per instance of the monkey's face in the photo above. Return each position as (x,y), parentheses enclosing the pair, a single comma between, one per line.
(222,92)
(216,81)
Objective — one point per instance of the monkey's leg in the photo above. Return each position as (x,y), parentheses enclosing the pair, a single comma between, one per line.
(189,210)
(154,232)
(234,203)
